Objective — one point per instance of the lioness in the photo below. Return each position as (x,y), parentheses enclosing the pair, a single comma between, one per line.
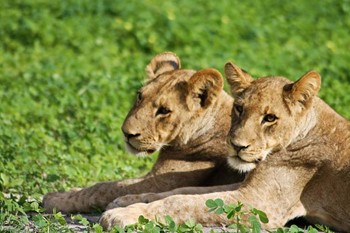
(185,115)
(296,147)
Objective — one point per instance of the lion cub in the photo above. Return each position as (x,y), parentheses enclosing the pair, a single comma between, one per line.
(296,147)
(183,114)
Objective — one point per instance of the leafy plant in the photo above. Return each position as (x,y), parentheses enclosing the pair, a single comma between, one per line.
(168,225)
(234,211)
(255,217)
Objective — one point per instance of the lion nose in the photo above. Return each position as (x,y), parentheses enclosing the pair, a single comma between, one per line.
(238,147)
(130,135)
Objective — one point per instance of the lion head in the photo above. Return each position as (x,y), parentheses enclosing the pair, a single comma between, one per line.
(268,114)
(173,107)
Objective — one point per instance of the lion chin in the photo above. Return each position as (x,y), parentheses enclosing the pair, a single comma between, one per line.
(137,152)
(241,165)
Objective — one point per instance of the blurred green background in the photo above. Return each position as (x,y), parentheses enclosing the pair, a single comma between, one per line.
(69,71)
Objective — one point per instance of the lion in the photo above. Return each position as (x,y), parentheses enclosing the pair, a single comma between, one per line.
(183,114)
(295,147)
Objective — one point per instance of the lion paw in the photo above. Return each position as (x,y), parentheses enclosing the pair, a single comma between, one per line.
(61,201)
(130,199)
(121,216)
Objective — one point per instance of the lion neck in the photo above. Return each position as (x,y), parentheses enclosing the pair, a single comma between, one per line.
(325,136)
(304,126)
(208,136)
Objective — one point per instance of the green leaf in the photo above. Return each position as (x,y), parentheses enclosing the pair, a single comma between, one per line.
(211,203)
(310,229)
(171,224)
(323,228)
(80,219)
(239,206)
(190,223)
(295,229)
(262,215)
(4,179)
(219,202)
(40,221)
(281,230)
(228,208)
(230,211)
(242,228)
(219,210)
(198,228)
(232,226)
(231,214)
(59,217)
(183,228)
(98,228)
(255,224)
(142,220)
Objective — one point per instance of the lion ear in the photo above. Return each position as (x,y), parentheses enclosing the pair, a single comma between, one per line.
(303,90)
(162,63)
(237,78)
(203,88)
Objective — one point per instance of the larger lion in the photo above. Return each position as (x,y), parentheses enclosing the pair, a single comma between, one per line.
(183,114)
(296,147)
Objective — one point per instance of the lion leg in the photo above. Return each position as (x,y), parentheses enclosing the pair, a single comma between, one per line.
(127,200)
(95,197)
(265,189)
(182,208)
(100,195)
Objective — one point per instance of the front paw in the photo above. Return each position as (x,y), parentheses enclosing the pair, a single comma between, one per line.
(61,201)
(130,199)
(122,216)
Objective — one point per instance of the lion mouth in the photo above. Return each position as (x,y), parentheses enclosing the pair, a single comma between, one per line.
(133,150)
(254,160)
(240,164)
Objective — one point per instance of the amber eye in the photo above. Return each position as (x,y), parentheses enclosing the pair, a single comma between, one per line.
(162,111)
(269,118)
(238,109)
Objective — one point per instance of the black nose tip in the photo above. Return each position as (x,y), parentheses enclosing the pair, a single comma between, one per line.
(129,135)
(238,148)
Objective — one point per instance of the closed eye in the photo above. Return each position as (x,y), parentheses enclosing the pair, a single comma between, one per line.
(238,109)
(163,111)
(139,97)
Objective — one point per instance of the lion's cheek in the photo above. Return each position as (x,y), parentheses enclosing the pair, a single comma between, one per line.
(167,129)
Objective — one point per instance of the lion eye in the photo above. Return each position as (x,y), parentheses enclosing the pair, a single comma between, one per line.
(162,111)
(269,118)
(238,108)
(139,97)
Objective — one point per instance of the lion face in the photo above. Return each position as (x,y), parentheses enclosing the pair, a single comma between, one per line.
(268,114)
(169,107)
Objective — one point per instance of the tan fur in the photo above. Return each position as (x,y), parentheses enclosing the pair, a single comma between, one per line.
(186,116)
(297,146)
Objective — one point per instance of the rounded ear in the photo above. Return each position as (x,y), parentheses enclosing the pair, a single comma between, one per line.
(303,90)
(203,88)
(237,78)
(162,63)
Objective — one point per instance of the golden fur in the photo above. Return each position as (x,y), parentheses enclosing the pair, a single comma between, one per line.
(296,146)
(183,114)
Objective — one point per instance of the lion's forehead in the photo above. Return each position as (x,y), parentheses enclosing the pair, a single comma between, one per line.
(168,83)
(168,89)
(265,96)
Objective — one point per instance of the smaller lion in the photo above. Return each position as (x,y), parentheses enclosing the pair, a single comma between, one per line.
(295,146)
(185,115)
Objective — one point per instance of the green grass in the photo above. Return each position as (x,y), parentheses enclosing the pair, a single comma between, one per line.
(69,71)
